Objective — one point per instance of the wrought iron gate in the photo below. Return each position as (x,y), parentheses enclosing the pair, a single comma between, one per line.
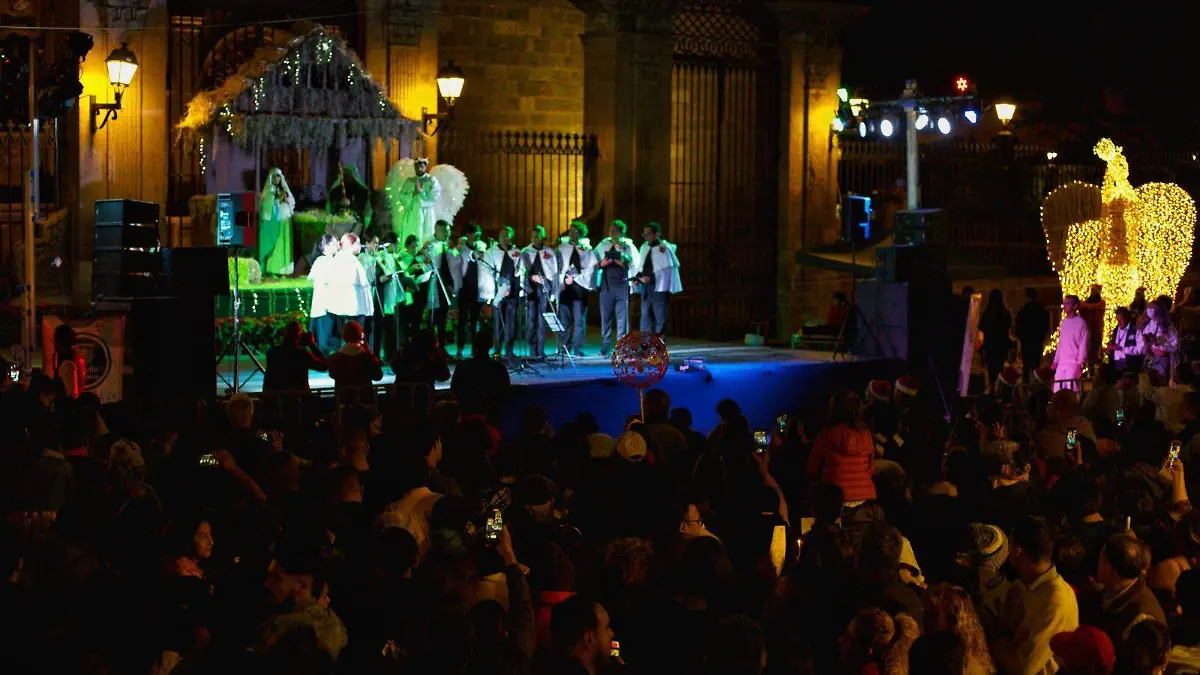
(725,166)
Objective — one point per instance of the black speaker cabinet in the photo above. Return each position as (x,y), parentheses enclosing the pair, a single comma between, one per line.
(195,272)
(910,321)
(901,264)
(171,344)
(921,227)
(125,260)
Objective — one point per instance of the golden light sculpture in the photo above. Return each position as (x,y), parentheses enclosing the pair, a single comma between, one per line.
(1118,236)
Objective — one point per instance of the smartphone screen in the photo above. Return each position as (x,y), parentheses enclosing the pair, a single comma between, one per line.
(781,423)
(1173,455)
(1120,416)
(14,372)
(494,526)
(762,439)
(1072,438)
(615,650)
(208,460)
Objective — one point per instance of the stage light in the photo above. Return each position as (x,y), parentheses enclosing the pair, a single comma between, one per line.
(886,128)
(943,125)
(838,125)
(843,94)
(971,115)
(1005,112)
(1051,155)
(922,121)
(862,129)
(857,105)
(962,84)
(871,126)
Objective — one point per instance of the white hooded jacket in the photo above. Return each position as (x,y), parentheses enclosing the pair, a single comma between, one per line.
(666,266)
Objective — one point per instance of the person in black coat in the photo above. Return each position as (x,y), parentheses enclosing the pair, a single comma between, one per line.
(1032,328)
(288,362)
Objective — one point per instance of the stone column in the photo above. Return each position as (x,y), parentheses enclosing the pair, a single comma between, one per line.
(627,50)
(808,190)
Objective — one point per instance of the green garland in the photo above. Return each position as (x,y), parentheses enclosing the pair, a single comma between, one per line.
(307,91)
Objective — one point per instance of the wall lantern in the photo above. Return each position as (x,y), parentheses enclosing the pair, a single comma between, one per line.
(450,81)
(122,65)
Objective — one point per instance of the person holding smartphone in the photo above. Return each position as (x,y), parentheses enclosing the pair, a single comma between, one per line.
(289,361)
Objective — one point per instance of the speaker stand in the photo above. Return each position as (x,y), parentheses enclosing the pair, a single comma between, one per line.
(236,348)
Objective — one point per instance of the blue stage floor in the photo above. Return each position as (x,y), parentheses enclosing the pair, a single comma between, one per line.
(765,381)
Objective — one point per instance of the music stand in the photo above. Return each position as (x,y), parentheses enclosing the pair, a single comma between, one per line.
(556,326)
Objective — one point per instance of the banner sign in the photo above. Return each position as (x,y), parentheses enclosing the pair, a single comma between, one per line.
(968,351)
(101,341)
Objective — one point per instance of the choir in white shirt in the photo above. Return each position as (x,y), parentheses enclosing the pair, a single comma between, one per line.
(559,278)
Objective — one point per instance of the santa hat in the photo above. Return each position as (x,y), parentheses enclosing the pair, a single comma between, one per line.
(878,390)
(1009,377)
(1045,374)
(907,385)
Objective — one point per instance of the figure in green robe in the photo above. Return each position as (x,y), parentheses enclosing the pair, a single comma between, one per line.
(275,207)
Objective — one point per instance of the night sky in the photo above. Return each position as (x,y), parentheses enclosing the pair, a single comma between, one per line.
(1090,64)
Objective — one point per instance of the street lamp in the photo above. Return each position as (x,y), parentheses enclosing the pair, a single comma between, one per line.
(1005,113)
(122,66)
(450,81)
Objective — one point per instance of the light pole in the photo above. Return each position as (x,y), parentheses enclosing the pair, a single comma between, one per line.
(912,153)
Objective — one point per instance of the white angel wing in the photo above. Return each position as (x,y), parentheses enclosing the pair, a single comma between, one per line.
(454,187)
(400,172)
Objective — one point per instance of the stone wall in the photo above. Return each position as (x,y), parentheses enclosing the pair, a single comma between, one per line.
(523,60)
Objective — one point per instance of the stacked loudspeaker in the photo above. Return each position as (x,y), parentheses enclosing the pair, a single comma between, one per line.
(909,311)
(167,297)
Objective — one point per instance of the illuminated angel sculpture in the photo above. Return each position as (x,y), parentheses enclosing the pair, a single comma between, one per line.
(419,196)
(1118,236)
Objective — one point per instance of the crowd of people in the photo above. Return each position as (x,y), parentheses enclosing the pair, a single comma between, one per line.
(1027,531)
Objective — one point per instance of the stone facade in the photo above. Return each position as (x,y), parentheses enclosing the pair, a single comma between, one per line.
(523,60)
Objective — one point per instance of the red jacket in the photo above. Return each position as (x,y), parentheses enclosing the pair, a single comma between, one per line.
(844,456)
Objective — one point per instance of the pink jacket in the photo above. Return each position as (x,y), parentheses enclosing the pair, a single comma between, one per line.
(845,456)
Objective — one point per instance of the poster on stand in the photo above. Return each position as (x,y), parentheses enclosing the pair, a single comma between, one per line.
(101,341)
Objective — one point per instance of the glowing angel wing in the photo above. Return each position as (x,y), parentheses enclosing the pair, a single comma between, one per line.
(1071,213)
(1166,217)
(454,187)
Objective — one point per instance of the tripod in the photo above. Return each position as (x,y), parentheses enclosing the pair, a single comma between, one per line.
(236,348)
(855,313)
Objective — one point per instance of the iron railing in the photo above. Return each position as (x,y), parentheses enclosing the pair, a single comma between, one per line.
(51,232)
(524,178)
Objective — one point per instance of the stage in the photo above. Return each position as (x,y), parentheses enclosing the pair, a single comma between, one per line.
(766,381)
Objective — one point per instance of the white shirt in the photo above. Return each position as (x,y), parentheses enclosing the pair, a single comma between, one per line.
(321,274)
(1072,342)
(666,266)
(350,290)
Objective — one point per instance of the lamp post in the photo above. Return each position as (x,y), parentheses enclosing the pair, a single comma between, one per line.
(450,81)
(122,65)
(1004,113)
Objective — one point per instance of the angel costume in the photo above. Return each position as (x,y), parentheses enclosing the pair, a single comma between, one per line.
(275,209)
(420,197)
(613,282)
(577,276)
(660,266)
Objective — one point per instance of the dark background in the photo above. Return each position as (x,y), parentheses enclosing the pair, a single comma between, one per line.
(1085,67)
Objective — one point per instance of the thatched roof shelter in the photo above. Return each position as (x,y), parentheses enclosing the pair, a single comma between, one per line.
(307,89)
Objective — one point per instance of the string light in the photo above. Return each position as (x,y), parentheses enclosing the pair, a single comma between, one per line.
(203,157)
(1118,236)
